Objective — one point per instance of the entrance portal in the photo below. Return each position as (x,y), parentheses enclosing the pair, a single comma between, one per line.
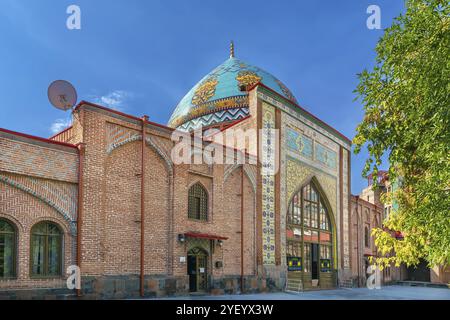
(309,240)
(197,269)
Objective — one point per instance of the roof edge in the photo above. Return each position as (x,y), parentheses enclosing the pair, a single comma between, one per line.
(303,110)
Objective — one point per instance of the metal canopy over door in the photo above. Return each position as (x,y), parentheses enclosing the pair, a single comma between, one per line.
(197,270)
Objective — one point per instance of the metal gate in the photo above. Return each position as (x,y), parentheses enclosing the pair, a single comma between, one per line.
(198,270)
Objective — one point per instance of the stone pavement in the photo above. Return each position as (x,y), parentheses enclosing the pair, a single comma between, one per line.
(385,293)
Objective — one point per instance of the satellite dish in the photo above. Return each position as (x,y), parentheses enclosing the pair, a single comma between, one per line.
(62,95)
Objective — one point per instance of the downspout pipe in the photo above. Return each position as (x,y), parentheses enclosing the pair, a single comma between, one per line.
(357,240)
(81,148)
(142,256)
(242,229)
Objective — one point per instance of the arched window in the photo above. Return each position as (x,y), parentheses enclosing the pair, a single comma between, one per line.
(46,250)
(198,203)
(7,249)
(366,237)
(309,233)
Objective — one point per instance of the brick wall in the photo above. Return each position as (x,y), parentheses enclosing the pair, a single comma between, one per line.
(38,182)
(111,203)
(363,214)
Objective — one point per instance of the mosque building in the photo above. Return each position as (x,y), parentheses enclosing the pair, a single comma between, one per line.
(105,195)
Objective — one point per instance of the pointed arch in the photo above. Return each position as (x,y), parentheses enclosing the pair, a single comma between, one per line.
(312,179)
(247,172)
(198,202)
(168,162)
(307,196)
(150,143)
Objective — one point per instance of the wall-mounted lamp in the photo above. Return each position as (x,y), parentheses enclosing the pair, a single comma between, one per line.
(220,243)
(181,238)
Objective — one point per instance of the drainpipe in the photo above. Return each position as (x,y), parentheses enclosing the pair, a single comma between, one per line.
(242,229)
(357,239)
(81,147)
(141,281)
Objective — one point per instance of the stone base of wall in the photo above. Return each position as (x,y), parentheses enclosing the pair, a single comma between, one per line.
(232,285)
(127,287)
(38,294)
(275,277)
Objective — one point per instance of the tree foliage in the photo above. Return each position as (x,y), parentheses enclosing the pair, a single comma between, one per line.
(406,98)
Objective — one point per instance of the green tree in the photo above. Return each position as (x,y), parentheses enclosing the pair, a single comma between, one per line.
(406,98)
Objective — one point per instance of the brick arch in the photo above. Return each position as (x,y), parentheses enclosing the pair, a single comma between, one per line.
(198,181)
(247,172)
(149,142)
(62,224)
(122,210)
(14,221)
(208,192)
(154,145)
(27,190)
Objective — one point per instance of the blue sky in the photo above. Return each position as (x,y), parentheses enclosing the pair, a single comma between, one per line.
(142,57)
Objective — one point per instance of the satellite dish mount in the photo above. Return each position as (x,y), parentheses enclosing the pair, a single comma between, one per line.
(62,95)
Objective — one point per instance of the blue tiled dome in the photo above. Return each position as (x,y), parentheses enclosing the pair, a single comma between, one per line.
(219,97)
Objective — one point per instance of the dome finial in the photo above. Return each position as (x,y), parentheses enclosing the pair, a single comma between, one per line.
(232,49)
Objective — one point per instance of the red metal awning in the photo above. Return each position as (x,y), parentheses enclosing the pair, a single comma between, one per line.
(204,236)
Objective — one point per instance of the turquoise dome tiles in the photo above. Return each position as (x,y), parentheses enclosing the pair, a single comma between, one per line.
(218,97)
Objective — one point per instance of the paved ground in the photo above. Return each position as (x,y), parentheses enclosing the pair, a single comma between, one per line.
(385,293)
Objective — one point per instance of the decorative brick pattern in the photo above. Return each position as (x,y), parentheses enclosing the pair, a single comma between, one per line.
(36,160)
(60,196)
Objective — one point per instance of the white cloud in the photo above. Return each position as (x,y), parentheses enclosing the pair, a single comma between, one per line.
(115,100)
(59,125)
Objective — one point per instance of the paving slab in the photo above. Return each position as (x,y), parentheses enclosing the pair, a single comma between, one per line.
(385,293)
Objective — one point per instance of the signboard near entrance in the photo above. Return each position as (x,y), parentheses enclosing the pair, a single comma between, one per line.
(325,265)
(294,263)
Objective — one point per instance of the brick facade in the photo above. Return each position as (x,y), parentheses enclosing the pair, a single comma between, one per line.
(39,182)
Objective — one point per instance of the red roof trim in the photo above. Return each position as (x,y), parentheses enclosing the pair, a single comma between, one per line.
(204,236)
(304,110)
(367,203)
(66,129)
(120,113)
(24,135)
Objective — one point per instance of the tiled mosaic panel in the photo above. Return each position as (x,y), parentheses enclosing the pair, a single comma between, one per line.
(268,185)
(296,115)
(325,155)
(299,143)
(345,212)
(283,204)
